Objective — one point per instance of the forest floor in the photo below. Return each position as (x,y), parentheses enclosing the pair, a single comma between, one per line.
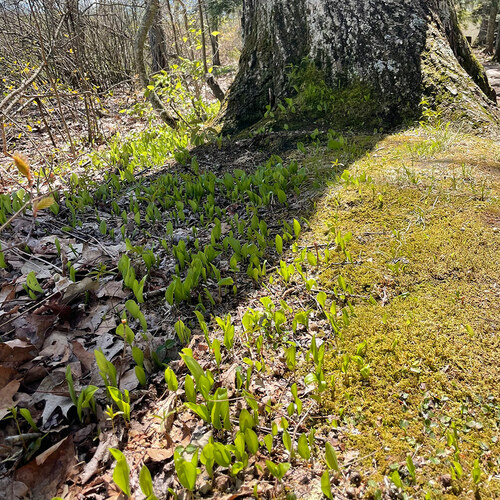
(358,310)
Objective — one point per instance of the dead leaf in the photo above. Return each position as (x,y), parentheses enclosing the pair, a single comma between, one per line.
(129,380)
(228,379)
(8,292)
(6,375)
(86,358)
(16,352)
(41,269)
(55,345)
(182,436)
(95,317)
(40,459)
(113,289)
(33,327)
(52,391)
(79,288)
(46,472)
(106,326)
(6,395)
(160,454)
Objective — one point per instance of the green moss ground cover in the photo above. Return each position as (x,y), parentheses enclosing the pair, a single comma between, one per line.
(427,250)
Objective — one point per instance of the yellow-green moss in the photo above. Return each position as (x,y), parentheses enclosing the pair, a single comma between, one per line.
(432,336)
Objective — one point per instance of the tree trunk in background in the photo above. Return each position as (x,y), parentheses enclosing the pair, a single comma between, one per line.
(152,7)
(214,40)
(480,41)
(211,82)
(157,44)
(394,53)
(496,57)
(492,24)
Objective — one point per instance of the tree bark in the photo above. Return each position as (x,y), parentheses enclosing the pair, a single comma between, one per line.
(496,57)
(396,53)
(211,82)
(152,7)
(492,24)
(158,45)
(480,41)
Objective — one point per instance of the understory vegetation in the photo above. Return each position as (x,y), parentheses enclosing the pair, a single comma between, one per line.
(354,345)
(307,310)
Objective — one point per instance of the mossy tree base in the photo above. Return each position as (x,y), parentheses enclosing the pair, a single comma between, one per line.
(402,52)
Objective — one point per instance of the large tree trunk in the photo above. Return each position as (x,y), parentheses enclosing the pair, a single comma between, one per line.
(389,53)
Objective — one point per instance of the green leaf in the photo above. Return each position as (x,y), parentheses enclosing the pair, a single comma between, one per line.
(476,472)
(121,474)
(331,457)
(187,474)
(326,487)
(189,389)
(145,482)
(287,441)
(268,441)
(303,447)
(272,467)
(27,416)
(296,228)
(396,479)
(32,282)
(133,308)
(171,380)
(252,441)
(216,351)
(245,420)
(291,357)
(201,410)
(321,298)
(279,244)
(222,455)
(458,468)
(193,366)
(411,468)
(138,355)
(71,385)
(140,374)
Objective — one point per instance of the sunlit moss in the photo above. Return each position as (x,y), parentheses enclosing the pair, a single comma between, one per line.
(432,333)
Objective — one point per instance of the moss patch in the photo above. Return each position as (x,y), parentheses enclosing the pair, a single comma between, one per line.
(428,256)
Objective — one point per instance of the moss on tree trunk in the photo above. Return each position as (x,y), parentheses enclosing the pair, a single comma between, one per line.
(398,52)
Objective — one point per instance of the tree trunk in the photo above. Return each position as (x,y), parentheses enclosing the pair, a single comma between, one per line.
(480,41)
(158,45)
(492,24)
(378,58)
(211,82)
(152,7)
(496,57)
(213,26)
